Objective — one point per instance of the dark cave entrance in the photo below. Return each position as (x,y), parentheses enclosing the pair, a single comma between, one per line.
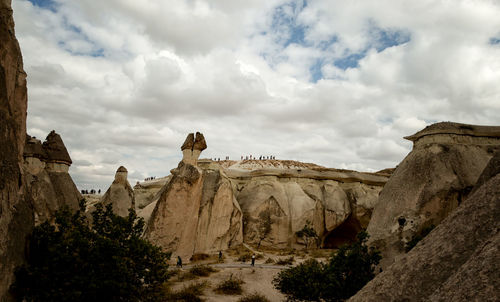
(343,234)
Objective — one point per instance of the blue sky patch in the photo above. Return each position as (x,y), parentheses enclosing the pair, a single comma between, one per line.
(315,70)
(350,61)
(494,40)
(285,25)
(383,39)
(46,4)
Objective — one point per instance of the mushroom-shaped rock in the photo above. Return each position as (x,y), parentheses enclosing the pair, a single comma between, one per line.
(34,155)
(192,147)
(120,194)
(58,159)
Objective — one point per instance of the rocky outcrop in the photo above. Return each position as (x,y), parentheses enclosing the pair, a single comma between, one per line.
(337,203)
(147,192)
(120,194)
(196,212)
(434,178)
(48,182)
(16,214)
(458,261)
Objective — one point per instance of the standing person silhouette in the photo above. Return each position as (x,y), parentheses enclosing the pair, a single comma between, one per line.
(179,261)
(253,260)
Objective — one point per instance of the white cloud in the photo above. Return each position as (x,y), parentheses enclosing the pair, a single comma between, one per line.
(123,82)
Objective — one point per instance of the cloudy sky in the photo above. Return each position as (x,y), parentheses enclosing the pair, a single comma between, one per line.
(337,83)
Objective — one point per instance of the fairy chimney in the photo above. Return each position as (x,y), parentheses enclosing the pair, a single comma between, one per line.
(58,159)
(192,147)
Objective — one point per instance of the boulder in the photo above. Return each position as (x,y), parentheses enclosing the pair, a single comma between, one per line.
(147,192)
(120,194)
(458,261)
(16,213)
(433,180)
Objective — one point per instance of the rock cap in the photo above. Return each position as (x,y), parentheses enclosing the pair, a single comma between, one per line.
(33,148)
(56,151)
(199,142)
(189,142)
(457,129)
(121,169)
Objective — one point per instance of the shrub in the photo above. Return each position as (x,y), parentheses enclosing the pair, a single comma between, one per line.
(230,286)
(201,270)
(244,257)
(416,239)
(286,261)
(269,261)
(255,297)
(344,274)
(109,262)
(199,257)
(190,293)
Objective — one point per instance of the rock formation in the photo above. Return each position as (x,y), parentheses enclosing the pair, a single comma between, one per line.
(147,192)
(337,203)
(192,147)
(16,215)
(457,261)
(197,211)
(120,193)
(48,181)
(434,178)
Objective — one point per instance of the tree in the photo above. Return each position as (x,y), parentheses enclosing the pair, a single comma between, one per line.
(264,225)
(307,233)
(109,262)
(341,277)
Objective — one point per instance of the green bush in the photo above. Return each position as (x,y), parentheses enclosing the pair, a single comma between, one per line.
(344,274)
(109,262)
(230,286)
(255,297)
(199,257)
(269,261)
(244,257)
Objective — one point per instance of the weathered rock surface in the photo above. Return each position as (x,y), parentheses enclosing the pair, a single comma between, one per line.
(196,213)
(147,192)
(192,147)
(48,182)
(120,194)
(16,214)
(338,203)
(434,178)
(458,261)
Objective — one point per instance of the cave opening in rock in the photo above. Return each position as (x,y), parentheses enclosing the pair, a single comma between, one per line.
(345,233)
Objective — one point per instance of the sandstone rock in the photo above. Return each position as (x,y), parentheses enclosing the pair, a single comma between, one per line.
(458,261)
(147,192)
(46,172)
(437,175)
(199,142)
(196,212)
(120,193)
(328,198)
(16,214)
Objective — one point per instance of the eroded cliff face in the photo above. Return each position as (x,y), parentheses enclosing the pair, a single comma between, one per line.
(458,261)
(431,182)
(196,213)
(16,214)
(336,203)
(286,194)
